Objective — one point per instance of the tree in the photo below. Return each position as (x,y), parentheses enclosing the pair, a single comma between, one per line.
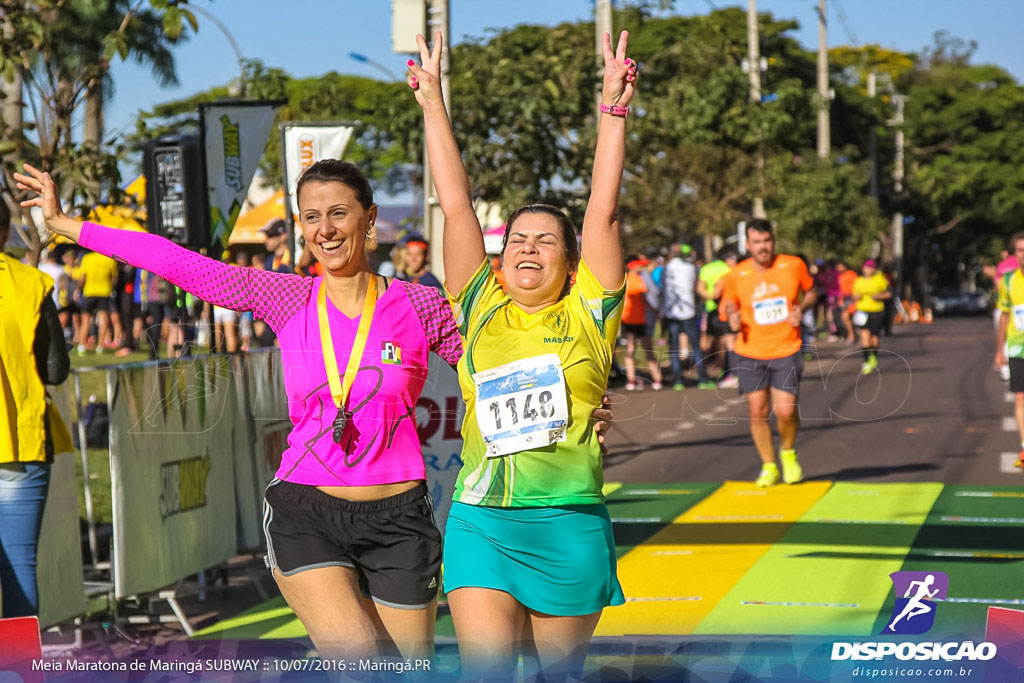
(965,149)
(53,57)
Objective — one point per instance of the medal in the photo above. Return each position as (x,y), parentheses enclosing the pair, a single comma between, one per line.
(339,425)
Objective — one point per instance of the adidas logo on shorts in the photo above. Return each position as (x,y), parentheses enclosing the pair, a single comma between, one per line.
(433,582)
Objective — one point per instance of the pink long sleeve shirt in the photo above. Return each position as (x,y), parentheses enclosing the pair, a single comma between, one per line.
(381,445)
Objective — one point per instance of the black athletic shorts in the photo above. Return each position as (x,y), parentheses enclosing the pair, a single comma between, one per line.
(755,374)
(874,322)
(635,330)
(94,304)
(392,543)
(716,327)
(1016,374)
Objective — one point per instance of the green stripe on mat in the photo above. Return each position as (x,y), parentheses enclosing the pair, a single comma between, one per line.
(271,619)
(639,511)
(829,575)
(975,534)
(642,511)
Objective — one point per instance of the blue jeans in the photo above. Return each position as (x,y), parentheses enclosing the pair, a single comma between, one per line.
(691,328)
(23,489)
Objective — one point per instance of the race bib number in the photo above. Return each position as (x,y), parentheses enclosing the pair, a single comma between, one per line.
(522,405)
(771,311)
(860,318)
(1018,316)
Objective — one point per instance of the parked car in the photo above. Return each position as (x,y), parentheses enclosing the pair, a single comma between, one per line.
(959,302)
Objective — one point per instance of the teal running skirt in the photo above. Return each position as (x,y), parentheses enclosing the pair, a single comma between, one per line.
(554,560)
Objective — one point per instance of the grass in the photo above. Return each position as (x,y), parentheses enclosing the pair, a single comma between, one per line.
(99,485)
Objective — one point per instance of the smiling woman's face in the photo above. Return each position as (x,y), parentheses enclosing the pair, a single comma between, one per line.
(336,225)
(534,262)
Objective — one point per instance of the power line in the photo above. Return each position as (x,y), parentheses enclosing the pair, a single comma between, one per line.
(847,26)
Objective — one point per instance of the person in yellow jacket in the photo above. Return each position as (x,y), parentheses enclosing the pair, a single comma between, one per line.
(870,290)
(32,353)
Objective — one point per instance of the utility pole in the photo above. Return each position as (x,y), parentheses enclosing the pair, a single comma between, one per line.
(602,25)
(873,143)
(754,60)
(433,217)
(896,227)
(824,135)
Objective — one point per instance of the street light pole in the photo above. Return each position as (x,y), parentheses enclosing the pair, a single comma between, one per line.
(231,40)
(359,57)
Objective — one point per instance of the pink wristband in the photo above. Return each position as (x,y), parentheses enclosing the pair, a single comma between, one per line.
(614,110)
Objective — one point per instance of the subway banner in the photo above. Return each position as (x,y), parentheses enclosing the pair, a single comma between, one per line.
(234,137)
(303,144)
(173,429)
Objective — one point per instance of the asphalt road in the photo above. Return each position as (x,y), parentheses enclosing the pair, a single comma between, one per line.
(935,412)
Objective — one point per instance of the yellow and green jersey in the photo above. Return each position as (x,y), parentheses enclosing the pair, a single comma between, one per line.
(865,288)
(573,339)
(1010,300)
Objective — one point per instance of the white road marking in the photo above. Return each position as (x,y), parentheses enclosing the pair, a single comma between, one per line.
(1006,461)
(1009,397)
(667,434)
(689,424)
(1009,424)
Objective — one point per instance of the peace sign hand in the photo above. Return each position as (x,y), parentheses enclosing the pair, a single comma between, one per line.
(619,72)
(425,79)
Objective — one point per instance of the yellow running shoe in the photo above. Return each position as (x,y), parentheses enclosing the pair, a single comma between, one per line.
(791,470)
(769,475)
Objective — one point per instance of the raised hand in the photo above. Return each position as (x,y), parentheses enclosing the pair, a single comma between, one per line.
(48,200)
(425,79)
(619,72)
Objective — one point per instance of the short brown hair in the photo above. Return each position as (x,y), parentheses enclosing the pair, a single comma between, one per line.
(1016,238)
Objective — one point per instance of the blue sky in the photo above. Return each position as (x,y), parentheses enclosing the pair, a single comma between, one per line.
(311,37)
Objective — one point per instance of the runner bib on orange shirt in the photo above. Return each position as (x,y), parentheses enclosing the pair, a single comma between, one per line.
(765,297)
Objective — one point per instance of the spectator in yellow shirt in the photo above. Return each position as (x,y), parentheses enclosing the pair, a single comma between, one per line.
(97,275)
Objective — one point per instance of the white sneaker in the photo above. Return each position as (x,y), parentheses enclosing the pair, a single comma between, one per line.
(1004,373)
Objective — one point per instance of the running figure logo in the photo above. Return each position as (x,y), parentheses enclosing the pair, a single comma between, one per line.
(915,612)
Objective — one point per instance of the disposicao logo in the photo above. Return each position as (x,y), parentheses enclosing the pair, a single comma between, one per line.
(914,613)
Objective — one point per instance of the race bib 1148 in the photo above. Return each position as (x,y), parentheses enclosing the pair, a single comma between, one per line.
(522,405)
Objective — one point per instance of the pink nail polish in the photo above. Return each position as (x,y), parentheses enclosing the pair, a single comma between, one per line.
(628,61)
(411,62)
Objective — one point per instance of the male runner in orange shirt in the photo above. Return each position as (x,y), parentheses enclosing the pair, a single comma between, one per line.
(763,299)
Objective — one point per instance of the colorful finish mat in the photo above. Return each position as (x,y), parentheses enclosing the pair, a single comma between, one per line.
(811,559)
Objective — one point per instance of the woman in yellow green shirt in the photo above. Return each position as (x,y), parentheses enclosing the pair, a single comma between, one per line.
(870,290)
(528,553)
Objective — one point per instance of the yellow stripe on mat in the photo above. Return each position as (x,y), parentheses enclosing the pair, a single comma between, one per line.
(675,579)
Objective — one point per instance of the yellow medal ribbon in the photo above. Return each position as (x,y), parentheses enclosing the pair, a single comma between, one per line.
(340,389)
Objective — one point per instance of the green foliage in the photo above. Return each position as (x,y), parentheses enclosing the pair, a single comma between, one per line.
(821,206)
(61,51)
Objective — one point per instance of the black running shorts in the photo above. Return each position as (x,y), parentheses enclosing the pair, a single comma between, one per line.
(392,543)
(1016,374)
(755,374)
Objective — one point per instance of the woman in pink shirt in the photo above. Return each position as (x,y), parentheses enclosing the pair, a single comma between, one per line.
(350,532)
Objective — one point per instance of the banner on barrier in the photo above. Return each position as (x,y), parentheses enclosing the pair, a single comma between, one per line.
(59,555)
(173,430)
(439,414)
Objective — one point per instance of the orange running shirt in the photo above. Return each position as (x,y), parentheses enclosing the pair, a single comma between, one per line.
(846,280)
(765,297)
(633,313)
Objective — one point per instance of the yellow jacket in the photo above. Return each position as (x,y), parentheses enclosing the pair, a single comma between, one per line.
(23,402)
